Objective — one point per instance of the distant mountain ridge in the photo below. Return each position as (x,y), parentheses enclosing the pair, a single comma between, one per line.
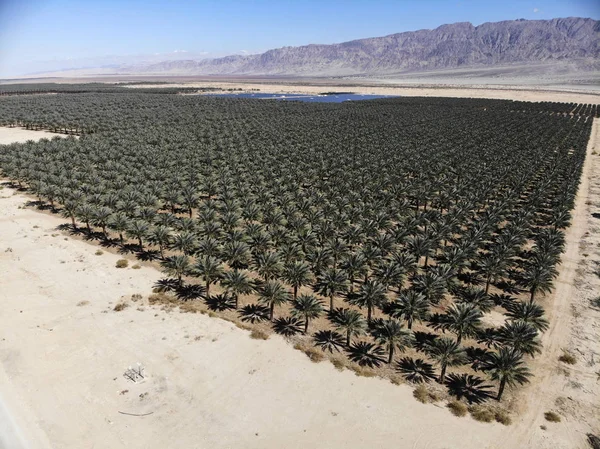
(456,45)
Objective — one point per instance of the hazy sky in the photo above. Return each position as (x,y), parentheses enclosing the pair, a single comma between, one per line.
(38,35)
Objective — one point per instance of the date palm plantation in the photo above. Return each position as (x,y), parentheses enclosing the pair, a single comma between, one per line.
(413,219)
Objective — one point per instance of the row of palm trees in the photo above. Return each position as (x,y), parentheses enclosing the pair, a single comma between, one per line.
(373,229)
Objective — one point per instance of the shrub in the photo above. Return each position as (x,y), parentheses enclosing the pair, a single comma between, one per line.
(137,266)
(99,252)
(259,334)
(424,394)
(458,408)
(568,358)
(421,394)
(503,417)
(313,354)
(482,414)
(552,416)
(396,380)
(339,363)
(120,306)
(122,263)
(161,298)
(362,371)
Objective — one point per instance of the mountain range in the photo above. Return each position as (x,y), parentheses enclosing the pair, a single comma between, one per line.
(572,42)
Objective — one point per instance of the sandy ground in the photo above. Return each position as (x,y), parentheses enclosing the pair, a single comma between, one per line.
(63,353)
(9,135)
(523,93)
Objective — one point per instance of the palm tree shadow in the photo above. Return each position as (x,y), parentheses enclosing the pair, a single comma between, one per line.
(109,243)
(470,387)
(69,227)
(40,205)
(423,340)
(220,303)
(470,278)
(147,255)
(129,248)
(166,285)
(93,235)
(189,292)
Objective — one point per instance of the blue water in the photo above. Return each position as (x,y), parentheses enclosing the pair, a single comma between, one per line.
(330,98)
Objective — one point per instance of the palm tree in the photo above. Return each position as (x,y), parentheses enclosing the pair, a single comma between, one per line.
(237,254)
(355,266)
(209,247)
(100,218)
(70,211)
(160,236)
(185,242)
(297,274)
(520,336)
(506,366)
(307,307)
(463,320)
(189,197)
(331,283)
(431,284)
(446,352)
(268,265)
(370,294)
(119,223)
(528,312)
(538,276)
(272,294)
(138,229)
(178,266)
(492,267)
(392,335)
(350,321)
(85,212)
(421,245)
(236,283)
(410,306)
(209,269)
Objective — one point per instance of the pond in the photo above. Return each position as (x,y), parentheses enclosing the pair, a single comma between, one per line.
(316,98)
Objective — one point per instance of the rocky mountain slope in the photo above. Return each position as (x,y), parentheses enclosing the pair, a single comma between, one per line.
(571,41)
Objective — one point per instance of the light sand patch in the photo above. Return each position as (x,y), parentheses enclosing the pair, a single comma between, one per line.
(494,318)
(10,135)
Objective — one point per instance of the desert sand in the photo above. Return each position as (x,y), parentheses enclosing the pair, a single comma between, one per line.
(506,92)
(64,352)
(9,135)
